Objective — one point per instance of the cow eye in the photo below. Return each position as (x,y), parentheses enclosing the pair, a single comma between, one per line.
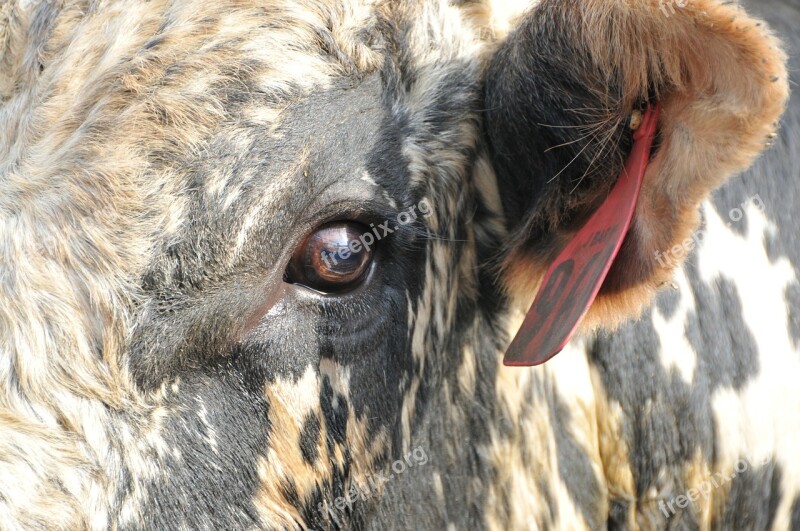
(333,258)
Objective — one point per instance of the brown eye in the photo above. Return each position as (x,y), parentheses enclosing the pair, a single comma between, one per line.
(334,258)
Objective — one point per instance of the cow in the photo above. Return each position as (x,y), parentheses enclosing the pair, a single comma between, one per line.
(260,261)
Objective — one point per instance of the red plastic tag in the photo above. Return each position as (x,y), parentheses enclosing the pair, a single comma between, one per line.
(572,282)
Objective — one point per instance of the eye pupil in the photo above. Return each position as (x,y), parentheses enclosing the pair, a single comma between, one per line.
(333,258)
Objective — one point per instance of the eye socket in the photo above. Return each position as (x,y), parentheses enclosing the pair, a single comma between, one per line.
(325,261)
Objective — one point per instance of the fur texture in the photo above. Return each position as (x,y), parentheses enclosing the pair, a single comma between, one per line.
(161,161)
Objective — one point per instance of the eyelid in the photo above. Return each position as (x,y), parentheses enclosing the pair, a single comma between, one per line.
(364,212)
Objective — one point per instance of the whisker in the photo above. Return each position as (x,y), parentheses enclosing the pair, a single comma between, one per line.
(570,142)
(603,145)
(569,163)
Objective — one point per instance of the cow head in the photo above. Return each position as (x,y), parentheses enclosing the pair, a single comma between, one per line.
(254,253)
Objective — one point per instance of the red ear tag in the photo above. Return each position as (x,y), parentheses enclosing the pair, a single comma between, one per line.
(572,282)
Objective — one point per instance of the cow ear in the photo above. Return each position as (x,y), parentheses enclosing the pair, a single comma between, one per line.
(563,93)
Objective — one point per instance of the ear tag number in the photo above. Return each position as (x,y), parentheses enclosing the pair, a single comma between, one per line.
(573,280)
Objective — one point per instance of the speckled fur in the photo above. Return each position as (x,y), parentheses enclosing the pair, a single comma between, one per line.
(159,161)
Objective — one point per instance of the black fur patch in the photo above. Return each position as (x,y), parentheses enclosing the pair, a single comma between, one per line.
(725,346)
(731,202)
(194,487)
(753,499)
(618,515)
(309,437)
(796,514)
(668,301)
(793,302)
(334,411)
